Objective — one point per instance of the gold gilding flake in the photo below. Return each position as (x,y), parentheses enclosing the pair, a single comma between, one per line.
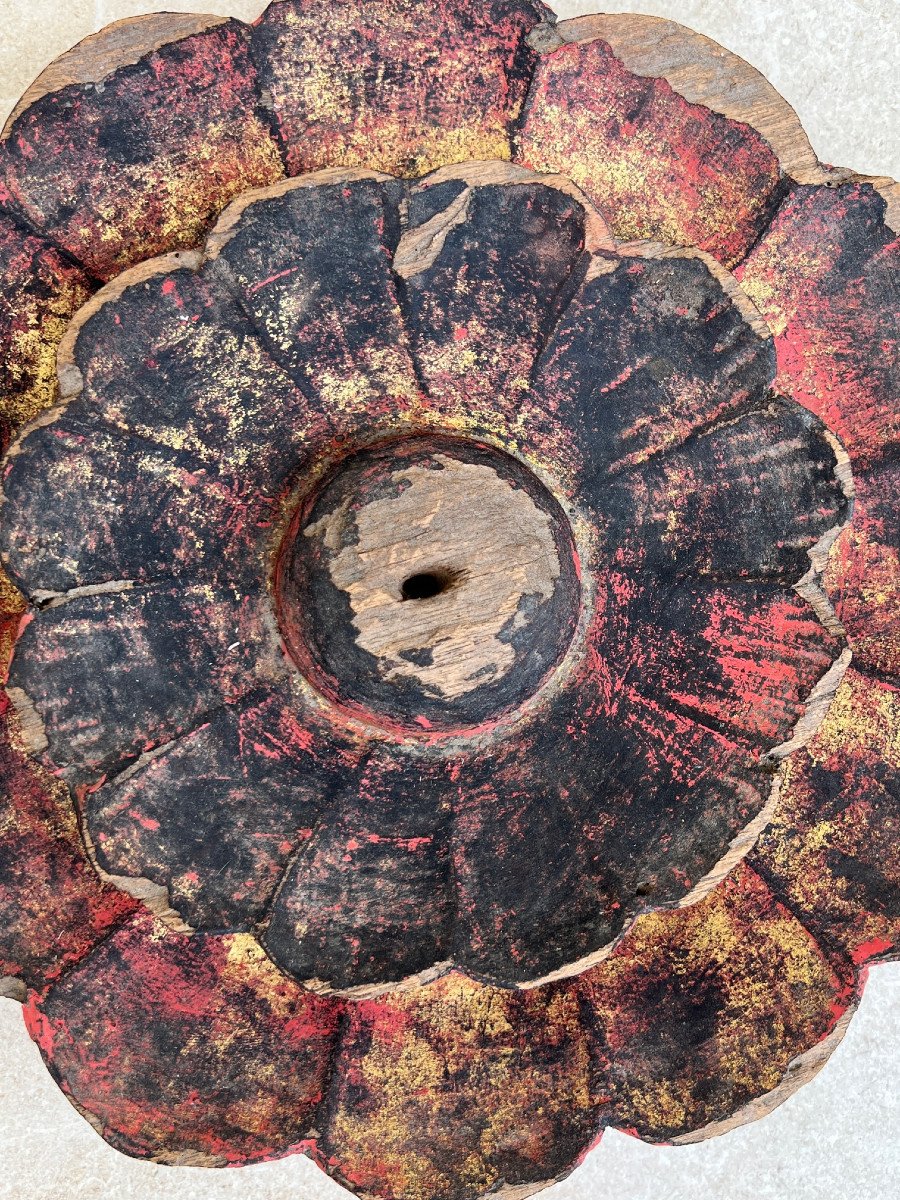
(35,347)
(758,967)
(244,952)
(11,599)
(524,1064)
(861,717)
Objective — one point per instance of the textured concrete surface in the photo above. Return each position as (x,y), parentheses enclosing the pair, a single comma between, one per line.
(838,1138)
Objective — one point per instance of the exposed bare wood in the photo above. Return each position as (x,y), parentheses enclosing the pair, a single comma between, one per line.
(485,545)
(30,730)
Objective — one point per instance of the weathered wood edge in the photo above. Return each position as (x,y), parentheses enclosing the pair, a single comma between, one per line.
(704,72)
(800,1071)
(224,229)
(696,67)
(597,236)
(724,277)
(121,44)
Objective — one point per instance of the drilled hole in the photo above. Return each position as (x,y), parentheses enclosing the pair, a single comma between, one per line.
(425,585)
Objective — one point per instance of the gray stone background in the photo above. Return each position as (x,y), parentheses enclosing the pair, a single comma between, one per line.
(836,61)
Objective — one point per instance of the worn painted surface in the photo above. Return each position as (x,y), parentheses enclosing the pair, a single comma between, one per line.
(476,344)
(54,906)
(369,898)
(206,394)
(454,1088)
(824,276)
(631,783)
(644,356)
(214,431)
(542,833)
(144,162)
(657,166)
(310,266)
(678,1000)
(174,1045)
(362,84)
(833,850)
(457,1089)
(39,293)
(164,657)
(863,572)
(218,815)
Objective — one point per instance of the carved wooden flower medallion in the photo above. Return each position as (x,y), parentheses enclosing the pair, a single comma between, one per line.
(450,599)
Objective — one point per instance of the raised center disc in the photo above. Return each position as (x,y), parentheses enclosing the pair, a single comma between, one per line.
(430,583)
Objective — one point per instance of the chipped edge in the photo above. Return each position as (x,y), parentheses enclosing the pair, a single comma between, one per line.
(112,587)
(598,238)
(13,988)
(725,279)
(800,1071)
(372,991)
(154,896)
(32,733)
(226,226)
(120,44)
(419,248)
(702,72)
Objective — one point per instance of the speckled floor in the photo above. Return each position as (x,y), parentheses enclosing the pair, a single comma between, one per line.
(836,1139)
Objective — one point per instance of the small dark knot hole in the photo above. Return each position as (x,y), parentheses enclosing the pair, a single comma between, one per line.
(424,586)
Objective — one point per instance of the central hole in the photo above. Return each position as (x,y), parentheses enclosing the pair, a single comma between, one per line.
(424,586)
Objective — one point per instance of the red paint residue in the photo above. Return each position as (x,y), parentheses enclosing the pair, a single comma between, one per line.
(871,949)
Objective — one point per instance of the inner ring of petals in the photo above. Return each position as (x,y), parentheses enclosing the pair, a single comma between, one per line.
(431,583)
